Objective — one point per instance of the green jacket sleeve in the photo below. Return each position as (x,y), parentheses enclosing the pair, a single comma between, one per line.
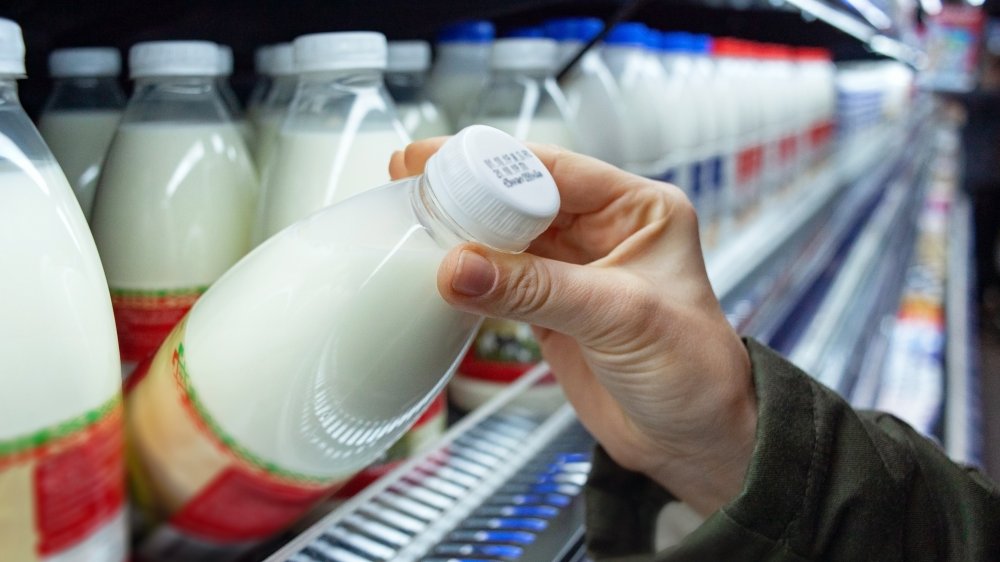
(825,483)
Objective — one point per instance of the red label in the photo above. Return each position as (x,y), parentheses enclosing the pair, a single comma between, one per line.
(746,165)
(787,149)
(82,486)
(145,319)
(242,506)
(494,371)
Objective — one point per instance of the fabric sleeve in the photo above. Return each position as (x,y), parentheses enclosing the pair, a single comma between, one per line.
(824,483)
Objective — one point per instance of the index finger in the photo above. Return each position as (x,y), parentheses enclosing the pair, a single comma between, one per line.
(586,185)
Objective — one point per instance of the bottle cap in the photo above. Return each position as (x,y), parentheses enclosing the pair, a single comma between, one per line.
(573,29)
(283,59)
(476,31)
(11,48)
(225,60)
(524,54)
(628,33)
(85,61)
(701,43)
(408,56)
(346,50)
(675,42)
(493,187)
(173,58)
(535,31)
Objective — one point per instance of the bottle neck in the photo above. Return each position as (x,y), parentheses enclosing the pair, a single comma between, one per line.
(354,77)
(176,98)
(442,228)
(8,92)
(86,92)
(405,86)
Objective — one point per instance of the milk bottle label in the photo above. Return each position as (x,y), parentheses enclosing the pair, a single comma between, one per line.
(62,490)
(192,481)
(503,351)
(145,318)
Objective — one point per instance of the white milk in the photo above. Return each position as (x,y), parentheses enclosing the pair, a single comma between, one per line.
(268,127)
(175,205)
(311,169)
(546,130)
(55,288)
(174,210)
(79,140)
(422,120)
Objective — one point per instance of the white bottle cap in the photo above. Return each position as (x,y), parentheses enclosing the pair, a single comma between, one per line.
(408,56)
(11,48)
(524,53)
(173,58)
(283,59)
(85,61)
(225,60)
(346,50)
(493,187)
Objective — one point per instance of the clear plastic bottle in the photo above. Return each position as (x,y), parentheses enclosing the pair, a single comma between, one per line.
(312,355)
(229,96)
(522,97)
(640,80)
(82,113)
(62,495)
(406,77)
(263,65)
(275,105)
(339,133)
(462,67)
(175,202)
(594,102)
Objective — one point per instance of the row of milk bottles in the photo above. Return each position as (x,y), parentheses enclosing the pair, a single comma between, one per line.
(265,379)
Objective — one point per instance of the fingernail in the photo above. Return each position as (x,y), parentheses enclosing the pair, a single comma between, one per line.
(474,276)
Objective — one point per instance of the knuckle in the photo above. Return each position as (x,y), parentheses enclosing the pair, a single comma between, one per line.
(527,290)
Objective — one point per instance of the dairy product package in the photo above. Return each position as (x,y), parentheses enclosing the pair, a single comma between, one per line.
(461,68)
(81,114)
(62,491)
(406,77)
(267,119)
(229,99)
(176,198)
(315,353)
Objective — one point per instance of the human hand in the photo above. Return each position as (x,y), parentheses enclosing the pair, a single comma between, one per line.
(626,317)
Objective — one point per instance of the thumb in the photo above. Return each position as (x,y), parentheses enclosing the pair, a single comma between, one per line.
(585,302)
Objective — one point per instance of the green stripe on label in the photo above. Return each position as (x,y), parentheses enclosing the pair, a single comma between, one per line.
(159,292)
(232,444)
(25,443)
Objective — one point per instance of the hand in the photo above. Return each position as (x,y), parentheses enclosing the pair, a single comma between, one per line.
(626,318)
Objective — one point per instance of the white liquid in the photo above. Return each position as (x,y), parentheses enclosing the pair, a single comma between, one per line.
(328,336)
(422,120)
(268,128)
(595,107)
(313,169)
(58,345)
(546,130)
(175,205)
(79,140)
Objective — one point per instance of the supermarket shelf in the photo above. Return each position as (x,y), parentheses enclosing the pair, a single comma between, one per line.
(962,423)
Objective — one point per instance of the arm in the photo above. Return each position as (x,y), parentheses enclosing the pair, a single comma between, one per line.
(824,483)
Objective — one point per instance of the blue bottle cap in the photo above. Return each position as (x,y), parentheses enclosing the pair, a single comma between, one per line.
(475,31)
(676,42)
(532,31)
(573,29)
(629,33)
(701,43)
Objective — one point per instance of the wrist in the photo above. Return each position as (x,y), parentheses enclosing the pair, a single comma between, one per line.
(712,471)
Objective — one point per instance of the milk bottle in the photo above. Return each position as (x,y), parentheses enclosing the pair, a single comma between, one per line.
(594,102)
(521,96)
(522,99)
(715,123)
(462,67)
(685,127)
(263,65)
(82,114)
(640,81)
(340,131)
(405,77)
(275,104)
(62,492)
(312,355)
(175,201)
(228,96)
